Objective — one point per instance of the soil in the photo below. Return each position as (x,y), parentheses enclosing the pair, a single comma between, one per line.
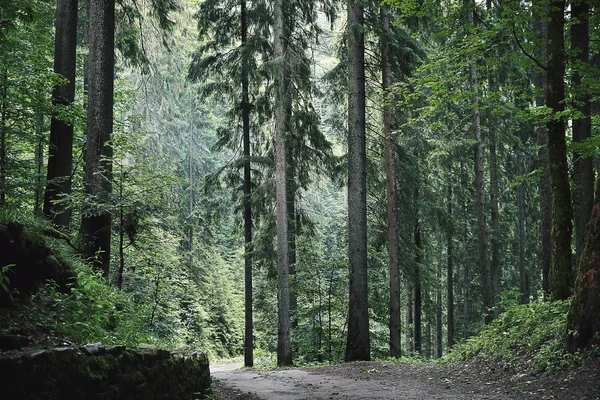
(387,380)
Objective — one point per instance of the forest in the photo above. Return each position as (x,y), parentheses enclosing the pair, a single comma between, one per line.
(304,181)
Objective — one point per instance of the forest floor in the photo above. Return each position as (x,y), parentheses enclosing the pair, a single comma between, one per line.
(387,380)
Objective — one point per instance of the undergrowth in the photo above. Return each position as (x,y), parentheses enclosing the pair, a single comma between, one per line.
(531,335)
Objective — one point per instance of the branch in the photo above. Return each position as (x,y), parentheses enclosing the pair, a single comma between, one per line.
(525,52)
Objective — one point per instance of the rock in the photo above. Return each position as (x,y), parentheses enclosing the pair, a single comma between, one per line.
(93,349)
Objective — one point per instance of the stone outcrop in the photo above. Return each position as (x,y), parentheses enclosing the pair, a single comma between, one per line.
(101,372)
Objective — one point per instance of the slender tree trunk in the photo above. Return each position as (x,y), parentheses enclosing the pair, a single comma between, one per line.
(392,201)
(121,232)
(466,270)
(96,224)
(357,344)
(418,292)
(248,318)
(3,134)
(60,151)
(39,161)
(191,189)
(284,348)
(495,266)
(410,343)
(583,321)
(523,279)
(561,273)
(450,276)
(438,310)
(544,189)
(583,168)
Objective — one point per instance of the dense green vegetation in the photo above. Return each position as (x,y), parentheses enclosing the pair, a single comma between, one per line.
(235,191)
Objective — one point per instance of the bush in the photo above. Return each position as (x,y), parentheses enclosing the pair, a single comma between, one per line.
(524,334)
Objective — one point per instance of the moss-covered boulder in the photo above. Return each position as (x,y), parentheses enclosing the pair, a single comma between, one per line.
(103,373)
(30,261)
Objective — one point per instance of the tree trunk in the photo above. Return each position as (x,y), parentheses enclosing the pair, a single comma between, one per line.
(583,321)
(544,189)
(248,317)
(487,294)
(284,348)
(450,276)
(60,151)
(392,201)
(96,224)
(39,165)
(357,344)
(561,273)
(495,266)
(191,188)
(466,269)
(523,279)
(583,168)
(438,310)
(418,293)
(3,133)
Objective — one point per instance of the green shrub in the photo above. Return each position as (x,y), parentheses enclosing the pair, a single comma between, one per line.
(524,332)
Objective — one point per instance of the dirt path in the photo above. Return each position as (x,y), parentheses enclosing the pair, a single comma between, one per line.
(354,381)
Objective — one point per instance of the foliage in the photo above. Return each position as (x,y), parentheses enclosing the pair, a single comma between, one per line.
(523,333)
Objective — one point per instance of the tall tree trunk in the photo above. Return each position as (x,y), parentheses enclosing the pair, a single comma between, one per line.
(357,344)
(97,182)
(418,292)
(60,151)
(390,175)
(523,279)
(561,273)
(495,266)
(191,188)
(410,343)
(450,258)
(284,348)
(39,161)
(466,270)
(583,168)
(3,134)
(248,318)
(438,309)
(487,293)
(583,321)
(544,189)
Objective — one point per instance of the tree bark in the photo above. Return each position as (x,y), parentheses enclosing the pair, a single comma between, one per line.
(3,134)
(561,273)
(248,315)
(438,310)
(544,189)
(487,294)
(523,279)
(583,321)
(450,260)
(60,151)
(97,182)
(284,348)
(357,343)
(390,175)
(418,292)
(583,168)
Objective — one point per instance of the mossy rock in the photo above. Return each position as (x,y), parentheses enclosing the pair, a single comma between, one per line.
(32,262)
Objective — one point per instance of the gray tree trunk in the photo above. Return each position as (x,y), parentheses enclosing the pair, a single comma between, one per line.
(357,343)
(97,181)
(390,175)
(284,348)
